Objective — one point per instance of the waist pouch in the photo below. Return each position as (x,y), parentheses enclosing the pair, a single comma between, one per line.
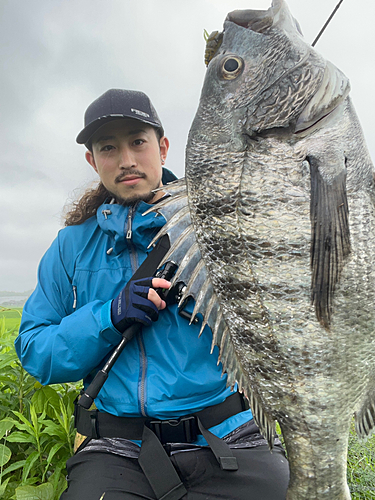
(164,479)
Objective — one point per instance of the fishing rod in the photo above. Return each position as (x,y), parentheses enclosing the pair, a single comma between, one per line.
(327,23)
(87,397)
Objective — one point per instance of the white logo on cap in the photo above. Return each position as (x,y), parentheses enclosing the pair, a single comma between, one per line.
(142,113)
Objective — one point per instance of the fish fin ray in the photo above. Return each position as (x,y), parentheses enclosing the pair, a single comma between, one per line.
(188,262)
(266,424)
(365,417)
(165,203)
(176,245)
(180,218)
(193,287)
(174,187)
(204,295)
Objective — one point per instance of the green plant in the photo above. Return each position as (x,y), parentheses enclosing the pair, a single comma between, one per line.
(15,382)
(36,428)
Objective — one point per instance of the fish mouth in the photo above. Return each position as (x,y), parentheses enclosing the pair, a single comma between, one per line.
(255,20)
(262,20)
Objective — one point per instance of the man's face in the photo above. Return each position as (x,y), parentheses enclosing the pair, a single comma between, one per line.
(127,155)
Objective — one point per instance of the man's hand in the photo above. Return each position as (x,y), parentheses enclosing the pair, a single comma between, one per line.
(138,301)
(153,296)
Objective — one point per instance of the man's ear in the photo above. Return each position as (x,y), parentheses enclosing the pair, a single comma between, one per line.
(90,158)
(164,146)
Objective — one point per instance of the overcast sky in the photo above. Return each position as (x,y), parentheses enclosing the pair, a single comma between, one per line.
(57,56)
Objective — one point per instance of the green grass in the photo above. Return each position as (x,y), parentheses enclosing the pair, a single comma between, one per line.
(361,467)
(12,317)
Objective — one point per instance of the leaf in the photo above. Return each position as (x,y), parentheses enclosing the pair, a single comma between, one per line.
(31,459)
(53,451)
(69,399)
(5,454)
(53,429)
(51,454)
(24,420)
(65,418)
(58,478)
(61,486)
(4,485)
(46,399)
(9,358)
(20,437)
(34,419)
(11,468)
(42,492)
(5,426)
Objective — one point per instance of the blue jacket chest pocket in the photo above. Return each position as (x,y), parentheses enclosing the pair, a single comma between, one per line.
(103,285)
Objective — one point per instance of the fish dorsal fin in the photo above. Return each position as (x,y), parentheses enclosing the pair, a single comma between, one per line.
(365,417)
(184,250)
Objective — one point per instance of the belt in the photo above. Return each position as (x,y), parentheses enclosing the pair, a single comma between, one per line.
(96,424)
(154,433)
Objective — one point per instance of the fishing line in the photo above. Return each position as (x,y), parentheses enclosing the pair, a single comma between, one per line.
(327,23)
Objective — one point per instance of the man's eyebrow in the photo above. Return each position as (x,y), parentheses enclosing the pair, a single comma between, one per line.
(103,138)
(137,131)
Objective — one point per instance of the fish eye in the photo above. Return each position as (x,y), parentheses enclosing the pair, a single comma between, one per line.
(231,67)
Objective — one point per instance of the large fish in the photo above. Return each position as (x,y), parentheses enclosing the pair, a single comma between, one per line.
(278,241)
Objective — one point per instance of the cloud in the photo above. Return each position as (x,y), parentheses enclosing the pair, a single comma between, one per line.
(60,55)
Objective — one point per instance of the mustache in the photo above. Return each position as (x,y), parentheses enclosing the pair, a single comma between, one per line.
(129,171)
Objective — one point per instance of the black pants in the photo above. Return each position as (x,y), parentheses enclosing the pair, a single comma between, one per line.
(102,476)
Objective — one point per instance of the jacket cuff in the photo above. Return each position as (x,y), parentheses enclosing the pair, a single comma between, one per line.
(108,331)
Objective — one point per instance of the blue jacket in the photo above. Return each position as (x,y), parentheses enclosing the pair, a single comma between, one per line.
(66,332)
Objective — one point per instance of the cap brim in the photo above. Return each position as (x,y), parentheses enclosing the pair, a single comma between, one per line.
(85,135)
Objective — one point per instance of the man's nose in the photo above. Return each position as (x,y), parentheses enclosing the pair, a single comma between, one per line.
(127,158)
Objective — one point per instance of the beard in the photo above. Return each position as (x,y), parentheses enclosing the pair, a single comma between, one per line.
(132,198)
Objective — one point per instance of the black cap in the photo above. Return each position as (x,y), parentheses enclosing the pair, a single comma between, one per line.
(115,104)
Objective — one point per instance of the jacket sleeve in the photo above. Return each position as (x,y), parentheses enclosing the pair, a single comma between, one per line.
(55,344)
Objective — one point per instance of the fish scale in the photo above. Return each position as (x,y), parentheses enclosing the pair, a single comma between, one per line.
(274,232)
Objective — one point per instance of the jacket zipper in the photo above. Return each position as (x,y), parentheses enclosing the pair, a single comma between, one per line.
(129,223)
(129,233)
(142,378)
(142,351)
(74,298)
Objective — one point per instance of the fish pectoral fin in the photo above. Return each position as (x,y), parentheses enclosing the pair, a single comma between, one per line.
(330,235)
(365,417)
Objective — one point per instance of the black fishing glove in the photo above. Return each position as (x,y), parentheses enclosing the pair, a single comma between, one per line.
(132,305)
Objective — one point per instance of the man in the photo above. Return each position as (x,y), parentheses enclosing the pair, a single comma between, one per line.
(148,436)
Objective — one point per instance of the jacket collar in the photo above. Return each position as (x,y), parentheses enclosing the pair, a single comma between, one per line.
(128,225)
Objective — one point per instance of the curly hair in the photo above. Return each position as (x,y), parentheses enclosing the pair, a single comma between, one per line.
(87,205)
